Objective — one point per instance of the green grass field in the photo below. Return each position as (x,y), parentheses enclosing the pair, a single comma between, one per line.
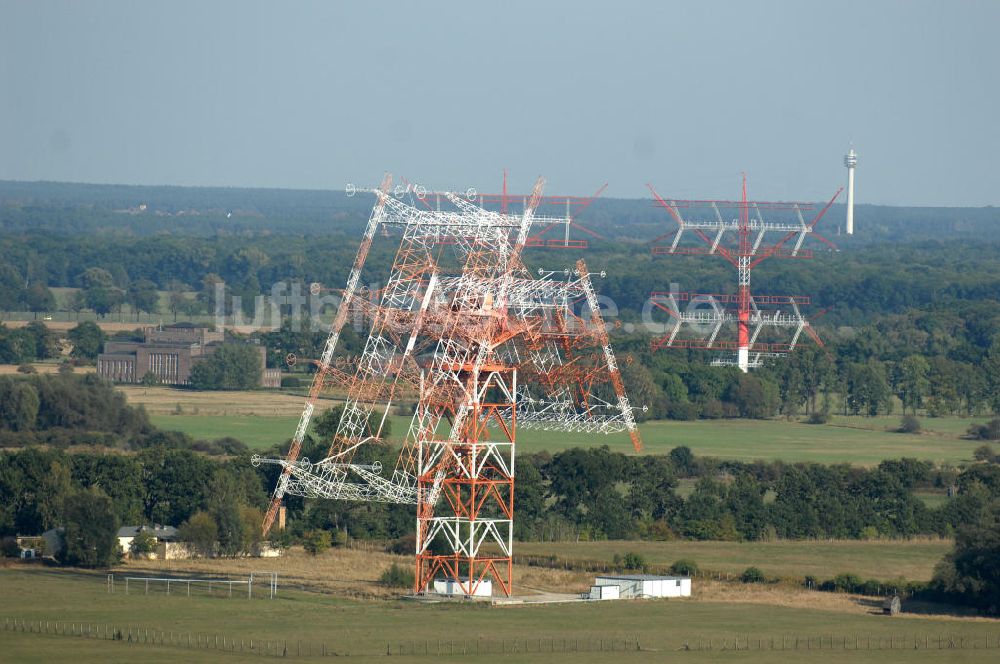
(364,629)
(841,441)
(256,431)
(913,560)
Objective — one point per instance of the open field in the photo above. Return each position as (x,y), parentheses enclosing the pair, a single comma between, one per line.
(363,629)
(264,418)
(745,440)
(257,432)
(913,560)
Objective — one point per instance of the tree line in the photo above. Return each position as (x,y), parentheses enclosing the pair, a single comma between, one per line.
(591,493)
(79,209)
(91,495)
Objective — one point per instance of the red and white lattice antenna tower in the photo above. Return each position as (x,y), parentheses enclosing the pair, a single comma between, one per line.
(485,347)
(737,232)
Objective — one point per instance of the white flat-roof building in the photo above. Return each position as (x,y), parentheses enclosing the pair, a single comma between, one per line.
(604,592)
(453,587)
(643,585)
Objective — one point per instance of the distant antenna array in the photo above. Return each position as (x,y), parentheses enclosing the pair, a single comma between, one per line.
(737,231)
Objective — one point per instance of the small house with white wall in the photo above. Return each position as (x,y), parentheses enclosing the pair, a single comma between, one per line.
(160,533)
(641,586)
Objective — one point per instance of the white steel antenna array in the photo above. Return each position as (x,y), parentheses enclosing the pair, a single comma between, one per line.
(428,320)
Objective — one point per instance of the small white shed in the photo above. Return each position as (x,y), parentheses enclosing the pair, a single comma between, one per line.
(453,588)
(647,585)
(604,592)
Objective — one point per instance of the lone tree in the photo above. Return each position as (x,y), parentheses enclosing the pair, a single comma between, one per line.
(201,532)
(230,367)
(87,339)
(90,529)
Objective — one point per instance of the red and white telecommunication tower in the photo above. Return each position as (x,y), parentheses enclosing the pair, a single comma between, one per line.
(737,232)
(484,347)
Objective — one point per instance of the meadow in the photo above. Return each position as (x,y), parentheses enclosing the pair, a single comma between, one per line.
(262,419)
(365,629)
(913,560)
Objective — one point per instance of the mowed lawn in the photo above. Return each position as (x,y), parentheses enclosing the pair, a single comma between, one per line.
(745,440)
(770,440)
(366,628)
(257,432)
(912,560)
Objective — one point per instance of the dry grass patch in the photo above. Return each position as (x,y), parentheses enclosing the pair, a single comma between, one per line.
(343,572)
(165,401)
(529,580)
(707,590)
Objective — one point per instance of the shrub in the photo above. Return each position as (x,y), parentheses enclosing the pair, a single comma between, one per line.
(404,546)
(684,567)
(27,369)
(988,431)
(397,576)
(150,379)
(847,583)
(282,539)
(339,537)
(315,542)
(752,575)
(220,447)
(291,381)
(870,587)
(810,581)
(9,547)
(143,542)
(909,424)
(818,417)
(984,453)
(633,560)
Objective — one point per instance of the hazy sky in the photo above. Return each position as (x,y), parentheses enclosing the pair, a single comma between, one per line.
(686,95)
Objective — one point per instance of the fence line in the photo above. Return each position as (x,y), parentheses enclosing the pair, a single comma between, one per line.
(513,646)
(185,584)
(139,635)
(466,648)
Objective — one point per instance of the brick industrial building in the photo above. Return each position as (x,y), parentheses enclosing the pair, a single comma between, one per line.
(168,354)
